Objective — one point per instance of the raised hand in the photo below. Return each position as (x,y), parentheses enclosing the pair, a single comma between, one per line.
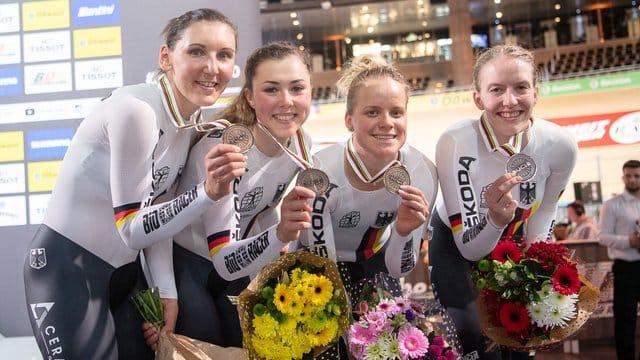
(502,206)
(413,210)
(222,164)
(295,213)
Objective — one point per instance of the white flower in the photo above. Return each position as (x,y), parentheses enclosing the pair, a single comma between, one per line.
(559,317)
(536,312)
(559,300)
(374,352)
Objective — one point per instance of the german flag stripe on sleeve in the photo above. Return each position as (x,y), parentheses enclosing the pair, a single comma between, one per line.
(125,213)
(456,222)
(371,244)
(217,241)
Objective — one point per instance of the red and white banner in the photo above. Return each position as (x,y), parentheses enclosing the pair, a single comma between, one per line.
(603,129)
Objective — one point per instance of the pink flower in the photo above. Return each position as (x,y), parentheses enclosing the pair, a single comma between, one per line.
(412,343)
(360,335)
(378,322)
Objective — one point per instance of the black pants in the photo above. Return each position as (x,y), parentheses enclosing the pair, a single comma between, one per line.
(626,295)
(205,310)
(80,306)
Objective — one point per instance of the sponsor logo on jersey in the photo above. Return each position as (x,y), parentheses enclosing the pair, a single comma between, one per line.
(47,78)
(12,179)
(97,42)
(483,201)
(279,191)
(408,258)
(384,218)
(527,193)
(9,49)
(52,342)
(245,255)
(98,74)
(11,146)
(37,260)
(40,15)
(95,12)
(40,310)
(154,219)
(160,176)
(48,144)
(10,81)
(47,46)
(251,199)
(9,18)
(318,242)
(470,216)
(350,220)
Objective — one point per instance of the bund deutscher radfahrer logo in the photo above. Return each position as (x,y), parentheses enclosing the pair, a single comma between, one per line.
(37,258)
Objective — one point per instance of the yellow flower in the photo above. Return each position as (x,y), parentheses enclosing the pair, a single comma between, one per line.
(265,326)
(325,336)
(282,297)
(321,290)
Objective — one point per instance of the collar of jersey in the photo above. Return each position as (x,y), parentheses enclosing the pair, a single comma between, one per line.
(513,146)
(171,105)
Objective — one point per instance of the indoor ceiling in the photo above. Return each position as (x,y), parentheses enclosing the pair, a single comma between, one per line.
(357,18)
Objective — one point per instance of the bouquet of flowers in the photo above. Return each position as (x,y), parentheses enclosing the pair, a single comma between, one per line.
(534,298)
(174,346)
(390,327)
(295,308)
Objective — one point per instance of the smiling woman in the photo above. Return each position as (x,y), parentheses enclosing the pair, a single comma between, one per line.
(116,194)
(501,177)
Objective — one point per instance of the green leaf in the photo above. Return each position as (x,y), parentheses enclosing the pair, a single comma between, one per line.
(148,304)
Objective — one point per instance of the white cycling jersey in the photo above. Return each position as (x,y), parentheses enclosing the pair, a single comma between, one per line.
(360,224)
(237,233)
(469,159)
(125,154)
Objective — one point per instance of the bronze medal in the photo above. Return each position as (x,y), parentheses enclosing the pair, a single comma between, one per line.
(238,135)
(522,165)
(314,179)
(395,177)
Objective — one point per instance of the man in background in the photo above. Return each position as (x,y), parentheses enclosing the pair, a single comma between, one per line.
(583,226)
(620,232)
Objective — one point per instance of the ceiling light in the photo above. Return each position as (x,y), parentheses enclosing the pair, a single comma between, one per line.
(370,29)
(293,15)
(496,1)
(347,40)
(557,19)
(295,22)
(499,15)
(326,5)
(301,47)
(500,27)
(424,24)
(365,8)
(557,7)
(299,36)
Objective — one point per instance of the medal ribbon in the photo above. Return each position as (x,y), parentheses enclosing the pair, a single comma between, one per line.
(303,161)
(513,146)
(172,106)
(301,156)
(358,166)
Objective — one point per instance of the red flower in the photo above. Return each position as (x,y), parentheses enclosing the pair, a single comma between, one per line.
(548,254)
(514,318)
(506,250)
(565,280)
